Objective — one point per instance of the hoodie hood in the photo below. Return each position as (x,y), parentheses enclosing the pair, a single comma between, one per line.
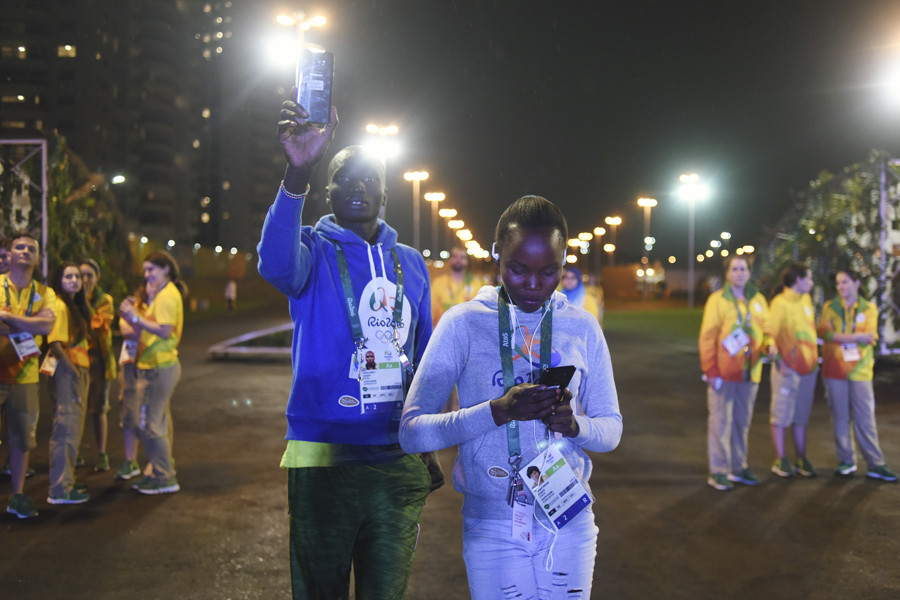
(489,294)
(328,227)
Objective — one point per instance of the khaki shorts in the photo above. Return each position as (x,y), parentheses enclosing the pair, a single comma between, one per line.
(22,410)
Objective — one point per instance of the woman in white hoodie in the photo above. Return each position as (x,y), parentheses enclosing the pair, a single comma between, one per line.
(494,349)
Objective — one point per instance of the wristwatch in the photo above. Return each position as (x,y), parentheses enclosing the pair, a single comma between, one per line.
(135,319)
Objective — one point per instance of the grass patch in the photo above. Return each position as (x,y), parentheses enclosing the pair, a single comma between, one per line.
(681,324)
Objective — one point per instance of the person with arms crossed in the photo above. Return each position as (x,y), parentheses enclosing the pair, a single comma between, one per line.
(26,314)
(733,340)
(354,496)
(794,357)
(494,349)
(849,328)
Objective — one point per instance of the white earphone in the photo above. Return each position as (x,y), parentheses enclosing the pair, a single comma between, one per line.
(496,256)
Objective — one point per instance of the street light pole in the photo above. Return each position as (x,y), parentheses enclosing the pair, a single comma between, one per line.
(434,198)
(599,232)
(416,177)
(646,204)
(690,191)
(614,223)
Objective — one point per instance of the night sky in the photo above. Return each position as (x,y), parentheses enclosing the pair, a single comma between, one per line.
(594,104)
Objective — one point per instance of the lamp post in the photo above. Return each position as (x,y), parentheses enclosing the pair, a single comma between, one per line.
(613,222)
(416,177)
(383,147)
(599,232)
(690,191)
(435,198)
(646,204)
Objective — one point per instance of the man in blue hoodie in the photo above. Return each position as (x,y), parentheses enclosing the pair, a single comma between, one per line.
(354,496)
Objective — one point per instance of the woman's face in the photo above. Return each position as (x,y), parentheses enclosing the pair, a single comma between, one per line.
(569,281)
(89,278)
(846,287)
(531,266)
(738,273)
(71,280)
(155,276)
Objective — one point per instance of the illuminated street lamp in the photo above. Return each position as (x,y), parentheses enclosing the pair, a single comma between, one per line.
(435,198)
(382,144)
(613,222)
(599,232)
(691,190)
(416,177)
(646,204)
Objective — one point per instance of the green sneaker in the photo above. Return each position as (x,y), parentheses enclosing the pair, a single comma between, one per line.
(883,473)
(73,497)
(79,461)
(745,477)
(152,486)
(805,468)
(102,463)
(719,481)
(22,506)
(845,469)
(782,467)
(129,469)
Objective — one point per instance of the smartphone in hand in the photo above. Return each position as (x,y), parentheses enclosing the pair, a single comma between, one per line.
(557,377)
(315,75)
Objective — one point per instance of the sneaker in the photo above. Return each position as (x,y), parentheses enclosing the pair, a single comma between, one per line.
(845,469)
(719,481)
(79,461)
(745,477)
(102,463)
(883,473)
(73,497)
(152,486)
(22,506)
(129,469)
(805,468)
(29,472)
(782,467)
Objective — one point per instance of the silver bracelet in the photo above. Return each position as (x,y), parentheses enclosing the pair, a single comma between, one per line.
(294,196)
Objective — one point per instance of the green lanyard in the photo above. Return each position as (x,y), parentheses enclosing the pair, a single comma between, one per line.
(30,296)
(844,320)
(359,339)
(507,336)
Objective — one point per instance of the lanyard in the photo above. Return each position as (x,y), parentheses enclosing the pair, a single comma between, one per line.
(353,314)
(509,380)
(30,297)
(745,321)
(852,320)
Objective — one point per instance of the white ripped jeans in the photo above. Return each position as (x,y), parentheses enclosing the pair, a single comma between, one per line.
(500,567)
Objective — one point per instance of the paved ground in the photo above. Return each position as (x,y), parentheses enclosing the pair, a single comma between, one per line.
(664,533)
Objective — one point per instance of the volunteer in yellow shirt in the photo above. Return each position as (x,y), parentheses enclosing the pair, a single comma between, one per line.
(26,315)
(159,370)
(849,328)
(795,363)
(732,343)
(455,286)
(67,364)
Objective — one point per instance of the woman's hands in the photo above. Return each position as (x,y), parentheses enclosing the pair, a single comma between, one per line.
(530,402)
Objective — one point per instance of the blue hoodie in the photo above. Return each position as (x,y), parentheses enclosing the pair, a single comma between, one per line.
(300,261)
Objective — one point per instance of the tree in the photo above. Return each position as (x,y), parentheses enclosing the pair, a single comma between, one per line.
(83,218)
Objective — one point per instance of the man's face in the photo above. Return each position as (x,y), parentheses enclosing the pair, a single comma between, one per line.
(4,260)
(24,253)
(356,192)
(370,358)
(459,260)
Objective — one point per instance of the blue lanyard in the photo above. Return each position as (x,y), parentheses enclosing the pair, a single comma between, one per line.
(30,296)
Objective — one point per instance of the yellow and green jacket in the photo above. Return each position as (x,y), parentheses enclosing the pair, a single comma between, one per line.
(862,317)
(722,315)
(64,331)
(792,323)
(166,308)
(17,301)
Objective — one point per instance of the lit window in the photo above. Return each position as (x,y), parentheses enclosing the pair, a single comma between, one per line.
(66,51)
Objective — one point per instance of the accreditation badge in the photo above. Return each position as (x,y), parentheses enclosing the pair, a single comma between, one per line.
(556,488)
(850,352)
(25,345)
(380,365)
(735,341)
